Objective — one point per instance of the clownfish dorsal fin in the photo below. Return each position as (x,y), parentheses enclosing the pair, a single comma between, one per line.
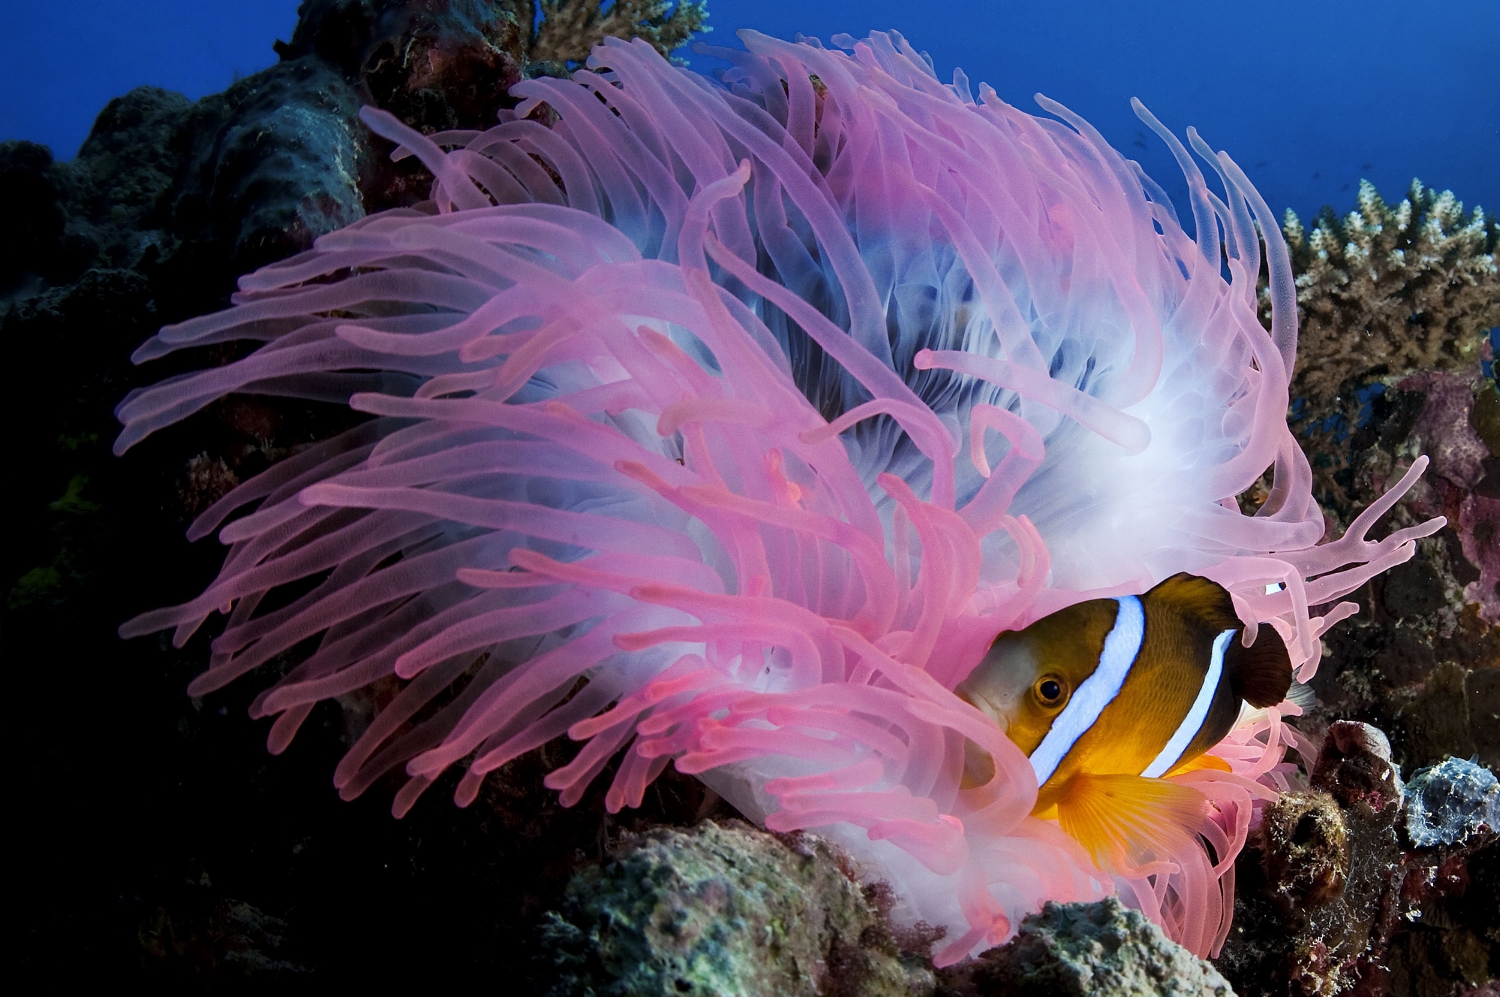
(1262,672)
(1197,598)
(1127,821)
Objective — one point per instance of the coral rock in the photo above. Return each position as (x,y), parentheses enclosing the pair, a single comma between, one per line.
(228,941)
(1444,428)
(1300,926)
(1479,528)
(1400,920)
(1436,722)
(1306,848)
(1101,949)
(1355,764)
(1483,693)
(1448,803)
(724,910)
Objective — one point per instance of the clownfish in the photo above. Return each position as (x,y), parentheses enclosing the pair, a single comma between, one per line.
(1108,696)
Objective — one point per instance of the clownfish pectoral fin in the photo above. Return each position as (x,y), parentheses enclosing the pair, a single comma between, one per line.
(1302,695)
(1262,672)
(1128,821)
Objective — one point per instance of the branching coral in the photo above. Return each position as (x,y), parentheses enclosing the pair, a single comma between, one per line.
(569,29)
(1390,290)
(724,425)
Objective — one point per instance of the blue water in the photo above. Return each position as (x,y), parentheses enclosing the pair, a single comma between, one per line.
(1308,95)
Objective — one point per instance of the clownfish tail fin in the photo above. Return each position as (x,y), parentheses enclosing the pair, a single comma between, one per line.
(1262,672)
(1127,822)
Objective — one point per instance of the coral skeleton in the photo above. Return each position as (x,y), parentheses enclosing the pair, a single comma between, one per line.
(726,424)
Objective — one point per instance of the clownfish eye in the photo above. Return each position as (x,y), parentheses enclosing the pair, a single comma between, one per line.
(1050,691)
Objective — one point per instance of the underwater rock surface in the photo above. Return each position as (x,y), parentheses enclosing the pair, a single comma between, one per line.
(726,910)
(240,867)
(234,866)
(1420,662)
(1355,766)
(1332,899)
(1087,950)
(1448,803)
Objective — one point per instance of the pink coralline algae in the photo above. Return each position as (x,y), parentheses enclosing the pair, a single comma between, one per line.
(1445,430)
(726,424)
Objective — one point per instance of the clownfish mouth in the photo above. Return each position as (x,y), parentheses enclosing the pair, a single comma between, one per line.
(1109,697)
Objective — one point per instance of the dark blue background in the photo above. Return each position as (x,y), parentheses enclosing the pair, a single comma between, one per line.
(1308,95)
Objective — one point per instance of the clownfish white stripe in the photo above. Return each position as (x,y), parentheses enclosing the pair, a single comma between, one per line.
(1193,722)
(1097,691)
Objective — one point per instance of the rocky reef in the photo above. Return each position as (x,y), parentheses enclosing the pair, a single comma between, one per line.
(1451,803)
(164,845)
(1086,950)
(1367,883)
(727,909)
(1337,893)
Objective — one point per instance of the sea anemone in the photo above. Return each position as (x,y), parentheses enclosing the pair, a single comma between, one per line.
(727,423)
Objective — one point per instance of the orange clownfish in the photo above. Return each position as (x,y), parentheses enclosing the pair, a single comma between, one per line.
(1108,696)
